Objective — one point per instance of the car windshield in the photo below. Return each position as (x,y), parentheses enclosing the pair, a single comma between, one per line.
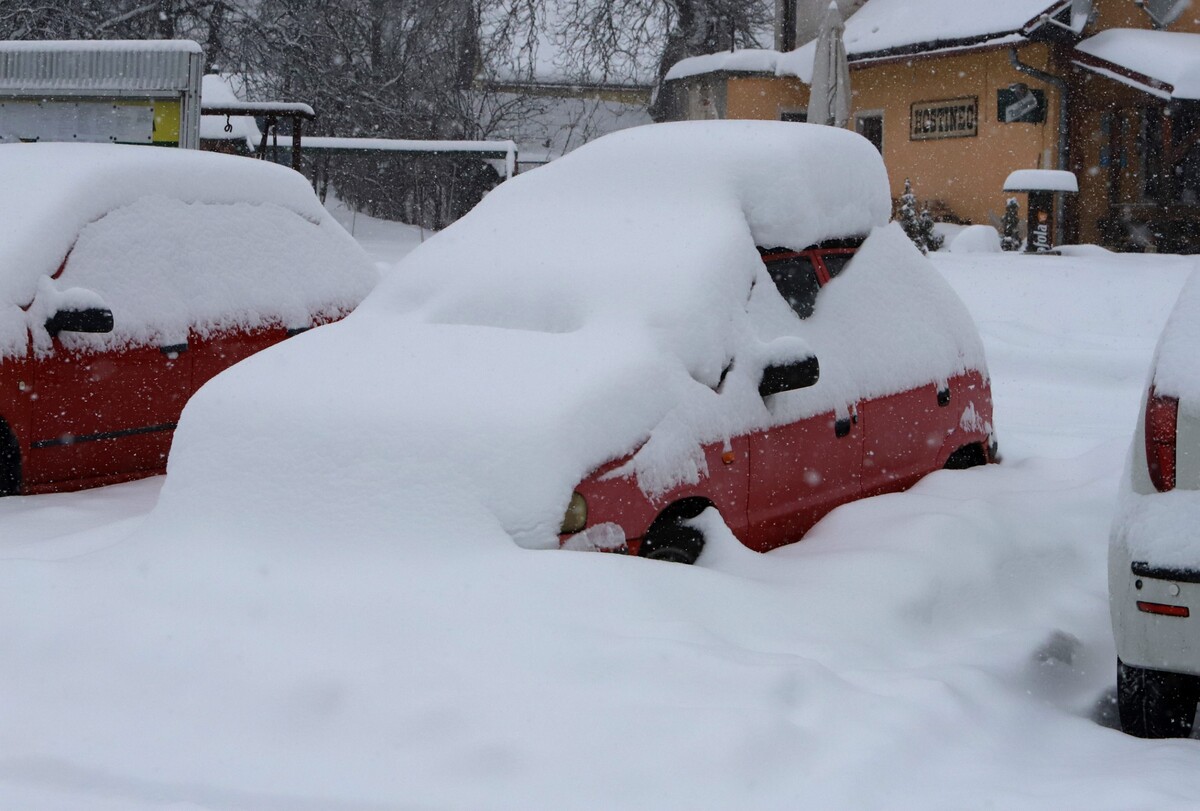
(796,279)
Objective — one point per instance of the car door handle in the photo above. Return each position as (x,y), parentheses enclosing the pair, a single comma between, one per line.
(841,427)
(943,397)
(174,349)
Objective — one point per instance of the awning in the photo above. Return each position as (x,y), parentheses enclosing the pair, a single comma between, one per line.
(1165,64)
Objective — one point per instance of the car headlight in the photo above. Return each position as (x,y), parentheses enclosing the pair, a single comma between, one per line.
(575,518)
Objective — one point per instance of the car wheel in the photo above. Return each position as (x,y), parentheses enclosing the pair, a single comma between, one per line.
(10,462)
(1155,703)
(671,539)
(965,457)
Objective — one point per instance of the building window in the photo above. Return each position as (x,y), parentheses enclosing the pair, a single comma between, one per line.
(799,116)
(870,126)
(1150,148)
(1169,148)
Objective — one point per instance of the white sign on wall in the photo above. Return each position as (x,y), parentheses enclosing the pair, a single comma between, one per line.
(86,121)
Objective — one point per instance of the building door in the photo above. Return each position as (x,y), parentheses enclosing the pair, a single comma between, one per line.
(870,126)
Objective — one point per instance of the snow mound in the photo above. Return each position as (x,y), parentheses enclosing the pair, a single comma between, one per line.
(975,239)
(611,302)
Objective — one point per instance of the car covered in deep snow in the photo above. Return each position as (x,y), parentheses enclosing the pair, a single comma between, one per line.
(128,277)
(1154,550)
(670,318)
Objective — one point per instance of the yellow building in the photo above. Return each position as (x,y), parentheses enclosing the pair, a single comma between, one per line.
(959,93)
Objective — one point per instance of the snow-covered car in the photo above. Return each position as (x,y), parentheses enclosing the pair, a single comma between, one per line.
(129,276)
(669,318)
(1154,551)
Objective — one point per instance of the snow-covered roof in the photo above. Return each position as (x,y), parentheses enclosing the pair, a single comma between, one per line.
(66,188)
(743,60)
(38,67)
(110,45)
(1163,63)
(882,26)
(218,89)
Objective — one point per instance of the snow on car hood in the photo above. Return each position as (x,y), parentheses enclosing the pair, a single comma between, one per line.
(608,303)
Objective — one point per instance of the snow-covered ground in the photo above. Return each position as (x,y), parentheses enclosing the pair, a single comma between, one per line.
(945,648)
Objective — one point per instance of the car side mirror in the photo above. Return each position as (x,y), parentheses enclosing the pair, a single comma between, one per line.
(797,374)
(90,319)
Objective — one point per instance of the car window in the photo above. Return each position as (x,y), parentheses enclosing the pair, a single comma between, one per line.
(796,279)
(836,262)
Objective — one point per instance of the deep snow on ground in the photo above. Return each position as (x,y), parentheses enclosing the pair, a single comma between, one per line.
(944,648)
(385,241)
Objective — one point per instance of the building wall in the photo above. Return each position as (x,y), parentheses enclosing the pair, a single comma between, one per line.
(764,97)
(965,174)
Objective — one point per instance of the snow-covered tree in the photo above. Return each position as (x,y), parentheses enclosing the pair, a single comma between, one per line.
(618,40)
(930,239)
(907,216)
(206,21)
(1010,239)
(916,221)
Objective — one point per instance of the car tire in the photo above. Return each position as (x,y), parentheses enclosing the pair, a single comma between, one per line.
(965,457)
(10,462)
(671,539)
(1155,703)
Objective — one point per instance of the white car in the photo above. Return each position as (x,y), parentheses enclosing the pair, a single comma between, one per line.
(1154,554)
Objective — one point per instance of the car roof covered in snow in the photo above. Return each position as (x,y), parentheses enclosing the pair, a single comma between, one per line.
(63,187)
(171,240)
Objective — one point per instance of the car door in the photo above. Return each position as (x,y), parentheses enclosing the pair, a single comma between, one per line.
(801,470)
(798,473)
(103,413)
(218,350)
(904,435)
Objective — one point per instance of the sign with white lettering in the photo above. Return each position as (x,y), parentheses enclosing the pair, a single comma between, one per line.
(1019,104)
(952,118)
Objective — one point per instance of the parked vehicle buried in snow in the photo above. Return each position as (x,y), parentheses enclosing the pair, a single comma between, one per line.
(773,483)
(129,276)
(1154,551)
(601,338)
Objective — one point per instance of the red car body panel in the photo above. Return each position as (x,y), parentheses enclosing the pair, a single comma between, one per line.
(798,473)
(772,486)
(88,418)
(103,413)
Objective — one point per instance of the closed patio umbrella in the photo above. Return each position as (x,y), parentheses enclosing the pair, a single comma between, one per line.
(829,100)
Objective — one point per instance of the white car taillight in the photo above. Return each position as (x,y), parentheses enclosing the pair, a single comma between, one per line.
(1162,418)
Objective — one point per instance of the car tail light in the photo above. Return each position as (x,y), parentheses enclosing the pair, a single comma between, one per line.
(1162,418)
(1164,609)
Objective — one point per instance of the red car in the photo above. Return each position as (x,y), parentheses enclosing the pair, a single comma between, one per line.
(129,276)
(770,486)
(600,338)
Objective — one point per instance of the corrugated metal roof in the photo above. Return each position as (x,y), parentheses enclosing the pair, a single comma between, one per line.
(74,66)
